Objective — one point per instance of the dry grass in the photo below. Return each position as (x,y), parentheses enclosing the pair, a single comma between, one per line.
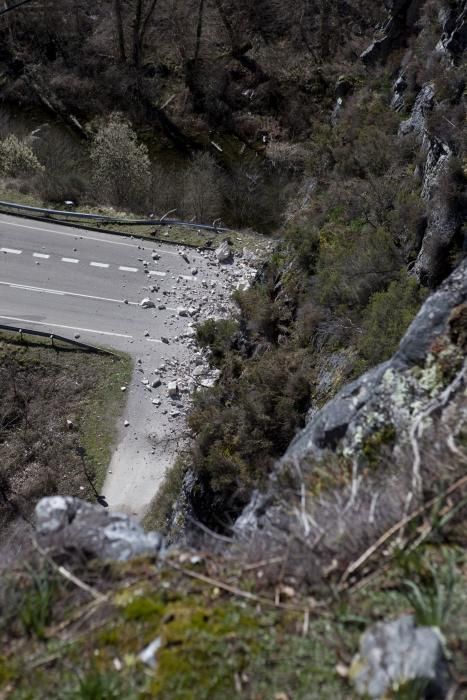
(40,453)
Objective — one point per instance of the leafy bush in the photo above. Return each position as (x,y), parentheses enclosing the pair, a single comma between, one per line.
(17,159)
(387,317)
(217,336)
(120,165)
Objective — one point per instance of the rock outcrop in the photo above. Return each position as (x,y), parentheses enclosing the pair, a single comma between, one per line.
(402,16)
(444,219)
(382,411)
(71,526)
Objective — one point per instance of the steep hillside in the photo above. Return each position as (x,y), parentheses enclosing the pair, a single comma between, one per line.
(311,541)
(379,224)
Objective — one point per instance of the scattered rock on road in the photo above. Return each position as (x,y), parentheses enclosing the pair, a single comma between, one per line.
(223,252)
(147,303)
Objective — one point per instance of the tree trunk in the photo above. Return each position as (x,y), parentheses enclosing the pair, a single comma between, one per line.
(137,34)
(120,32)
(199,32)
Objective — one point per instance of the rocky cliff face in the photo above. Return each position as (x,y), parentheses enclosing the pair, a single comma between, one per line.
(369,456)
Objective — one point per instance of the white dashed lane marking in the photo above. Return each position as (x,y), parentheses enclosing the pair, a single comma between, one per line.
(99,264)
(70,260)
(12,251)
(44,256)
(128,269)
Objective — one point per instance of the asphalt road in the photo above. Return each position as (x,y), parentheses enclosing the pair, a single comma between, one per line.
(73,282)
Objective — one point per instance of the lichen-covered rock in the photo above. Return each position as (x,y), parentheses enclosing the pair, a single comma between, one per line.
(395,654)
(66,525)
(390,393)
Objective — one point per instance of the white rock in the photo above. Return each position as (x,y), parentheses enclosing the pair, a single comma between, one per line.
(172,388)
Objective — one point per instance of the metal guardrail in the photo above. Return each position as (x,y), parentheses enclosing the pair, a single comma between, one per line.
(110,220)
(54,336)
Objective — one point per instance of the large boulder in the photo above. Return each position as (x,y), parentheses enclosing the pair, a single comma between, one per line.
(395,655)
(69,525)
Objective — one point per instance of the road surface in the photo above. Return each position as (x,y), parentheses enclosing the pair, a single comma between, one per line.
(78,283)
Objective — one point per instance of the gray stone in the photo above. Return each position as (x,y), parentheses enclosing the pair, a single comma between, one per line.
(394,654)
(223,253)
(66,524)
(147,303)
(422,107)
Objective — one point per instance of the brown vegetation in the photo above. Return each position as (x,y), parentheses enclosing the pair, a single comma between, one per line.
(49,442)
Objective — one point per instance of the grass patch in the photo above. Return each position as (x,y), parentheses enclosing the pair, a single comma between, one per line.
(100,411)
(212,645)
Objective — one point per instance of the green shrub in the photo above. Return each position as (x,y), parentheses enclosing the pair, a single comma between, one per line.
(245,422)
(17,159)
(387,317)
(305,242)
(355,262)
(217,336)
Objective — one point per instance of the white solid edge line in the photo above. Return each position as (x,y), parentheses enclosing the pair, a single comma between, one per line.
(99,264)
(128,269)
(63,293)
(35,289)
(41,255)
(70,328)
(70,260)
(80,233)
(13,251)
(153,340)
